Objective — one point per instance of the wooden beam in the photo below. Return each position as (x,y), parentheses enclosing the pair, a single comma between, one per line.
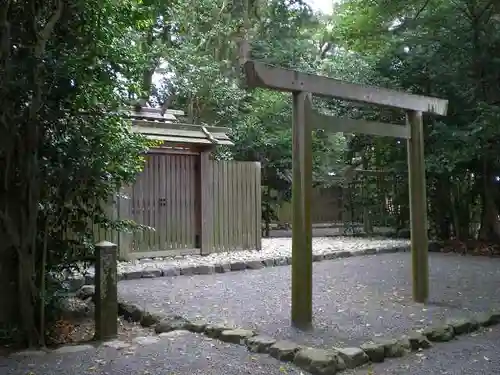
(301,203)
(418,208)
(340,125)
(267,76)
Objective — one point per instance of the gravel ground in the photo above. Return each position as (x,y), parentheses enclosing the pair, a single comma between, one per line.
(187,354)
(271,248)
(355,299)
(476,354)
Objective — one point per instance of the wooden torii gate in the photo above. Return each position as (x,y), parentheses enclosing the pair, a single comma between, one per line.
(302,86)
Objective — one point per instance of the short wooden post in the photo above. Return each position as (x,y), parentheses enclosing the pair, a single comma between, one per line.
(418,207)
(301,203)
(106,293)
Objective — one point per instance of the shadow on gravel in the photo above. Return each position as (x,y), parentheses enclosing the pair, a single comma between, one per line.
(355,299)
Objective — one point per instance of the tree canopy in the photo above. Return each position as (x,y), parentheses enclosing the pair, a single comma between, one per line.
(68,66)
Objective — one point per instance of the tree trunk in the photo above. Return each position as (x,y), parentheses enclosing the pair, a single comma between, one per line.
(490,224)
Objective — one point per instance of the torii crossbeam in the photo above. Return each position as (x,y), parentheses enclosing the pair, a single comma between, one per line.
(302,85)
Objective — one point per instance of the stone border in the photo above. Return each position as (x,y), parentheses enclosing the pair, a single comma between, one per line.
(207,269)
(315,360)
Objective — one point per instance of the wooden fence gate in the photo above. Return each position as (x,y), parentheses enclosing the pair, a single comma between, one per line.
(167,198)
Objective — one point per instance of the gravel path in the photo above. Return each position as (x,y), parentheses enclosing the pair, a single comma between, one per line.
(272,248)
(476,354)
(187,354)
(354,298)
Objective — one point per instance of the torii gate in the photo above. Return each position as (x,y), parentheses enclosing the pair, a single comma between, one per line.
(302,86)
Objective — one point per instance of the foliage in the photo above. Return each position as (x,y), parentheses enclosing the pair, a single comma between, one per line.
(62,153)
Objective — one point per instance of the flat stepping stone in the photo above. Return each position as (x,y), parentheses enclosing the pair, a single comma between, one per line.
(374,351)
(73,349)
(259,343)
(418,341)
(173,334)
(146,340)
(440,333)
(463,325)
(116,344)
(214,331)
(284,350)
(236,336)
(353,357)
(171,324)
(319,361)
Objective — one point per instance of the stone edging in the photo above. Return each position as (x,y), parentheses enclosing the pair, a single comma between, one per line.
(314,360)
(172,271)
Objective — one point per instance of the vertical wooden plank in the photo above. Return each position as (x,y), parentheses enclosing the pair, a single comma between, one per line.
(249,221)
(258,206)
(182,201)
(242,204)
(192,210)
(162,197)
(418,207)
(176,190)
(232,226)
(156,201)
(301,227)
(220,206)
(206,203)
(170,201)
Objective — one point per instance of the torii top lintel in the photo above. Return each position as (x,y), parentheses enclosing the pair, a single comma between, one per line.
(267,76)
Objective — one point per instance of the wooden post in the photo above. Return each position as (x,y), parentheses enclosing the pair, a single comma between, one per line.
(418,207)
(106,301)
(301,224)
(205,211)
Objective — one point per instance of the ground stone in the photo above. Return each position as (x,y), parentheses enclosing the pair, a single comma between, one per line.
(284,350)
(439,333)
(133,275)
(116,344)
(344,254)
(318,361)
(28,353)
(353,357)
(371,251)
(495,317)
(171,271)
(255,264)
(318,257)
(197,326)
(268,262)
(150,319)
(151,273)
(238,266)
(330,256)
(187,270)
(375,351)
(418,341)
(259,343)
(204,270)
(215,330)
(463,325)
(86,291)
(484,319)
(173,334)
(395,348)
(171,323)
(146,340)
(222,268)
(73,349)
(282,261)
(130,312)
(236,336)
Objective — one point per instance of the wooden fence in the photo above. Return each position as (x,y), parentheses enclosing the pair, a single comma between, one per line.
(167,198)
(326,207)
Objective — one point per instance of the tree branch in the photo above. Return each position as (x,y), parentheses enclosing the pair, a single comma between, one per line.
(44,35)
